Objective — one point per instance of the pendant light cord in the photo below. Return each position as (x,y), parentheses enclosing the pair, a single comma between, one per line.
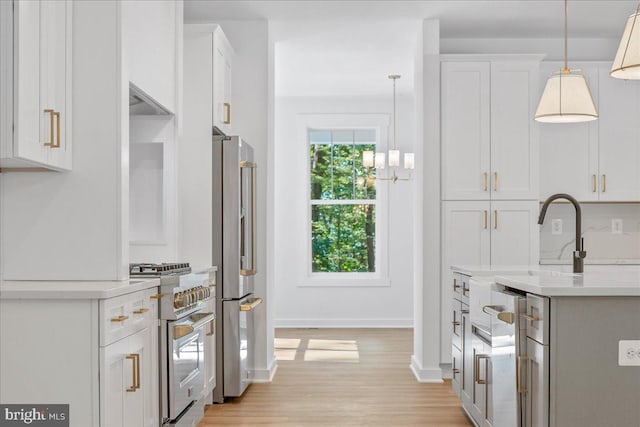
(394,114)
(566,44)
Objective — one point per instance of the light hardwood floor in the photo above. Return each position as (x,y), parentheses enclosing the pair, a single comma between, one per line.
(342,377)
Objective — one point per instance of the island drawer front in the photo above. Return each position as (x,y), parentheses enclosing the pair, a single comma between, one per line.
(124,315)
(537,318)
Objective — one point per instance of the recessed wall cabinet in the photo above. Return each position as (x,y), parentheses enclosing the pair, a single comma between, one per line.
(595,161)
(489,148)
(206,45)
(35,78)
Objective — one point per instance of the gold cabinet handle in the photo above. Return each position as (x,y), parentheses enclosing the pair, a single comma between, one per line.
(486,219)
(520,362)
(51,142)
(495,219)
(495,181)
(141,311)
(227,120)
(157,296)
(212,328)
(604,183)
(57,115)
(455,285)
(119,318)
(595,183)
(138,382)
(134,383)
(530,317)
(486,187)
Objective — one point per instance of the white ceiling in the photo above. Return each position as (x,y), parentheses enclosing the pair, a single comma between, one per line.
(349,47)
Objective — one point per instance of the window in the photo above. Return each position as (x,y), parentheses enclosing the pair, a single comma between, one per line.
(343,202)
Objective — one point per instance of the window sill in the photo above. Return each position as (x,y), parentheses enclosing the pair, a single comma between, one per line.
(343,282)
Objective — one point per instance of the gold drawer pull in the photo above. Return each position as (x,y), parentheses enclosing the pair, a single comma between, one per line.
(485,181)
(57,114)
(595,183)
(253,303)
(495,219)
(604,183)
(227,120)
(478,358)
(157,296)
(141,311)
(455,285)
(212,328)
(486,214)
(456,323)
(119,318)
(495,181)
(133,387)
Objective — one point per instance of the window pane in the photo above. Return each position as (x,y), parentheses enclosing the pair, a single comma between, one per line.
(343,238)
(365,184)
(343,172)
(321,179)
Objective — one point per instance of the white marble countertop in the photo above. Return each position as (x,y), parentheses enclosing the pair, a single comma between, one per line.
(558,280)
(61,289)
(591,283)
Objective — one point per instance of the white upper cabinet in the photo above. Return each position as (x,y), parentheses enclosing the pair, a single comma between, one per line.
(36,120)
(515,233)
(489,146)
(466,132)
(222,72)
(618,138)
(595,161)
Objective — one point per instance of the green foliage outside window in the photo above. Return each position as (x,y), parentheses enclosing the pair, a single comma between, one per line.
(342,203)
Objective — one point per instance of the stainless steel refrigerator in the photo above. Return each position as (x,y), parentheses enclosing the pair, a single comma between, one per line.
(234,252)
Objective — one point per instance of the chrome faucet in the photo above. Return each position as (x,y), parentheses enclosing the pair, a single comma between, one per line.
(579,254)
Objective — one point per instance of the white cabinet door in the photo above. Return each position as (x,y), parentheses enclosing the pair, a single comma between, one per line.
(514,151)
(139,404)
(28,115)
(479,391)
(569,151)
(55,80)
(465,127)
(537,383)
(41,82)
(222,74)
(466,241)
(619,138)
(515,233)
(117,374)
(466,379)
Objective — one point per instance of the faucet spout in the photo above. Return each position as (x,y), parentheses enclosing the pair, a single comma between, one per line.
(579,254)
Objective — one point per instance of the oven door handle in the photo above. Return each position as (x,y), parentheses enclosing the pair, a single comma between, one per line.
(184,330)
(505,316)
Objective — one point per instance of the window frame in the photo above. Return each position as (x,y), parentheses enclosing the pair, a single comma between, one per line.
(379,123)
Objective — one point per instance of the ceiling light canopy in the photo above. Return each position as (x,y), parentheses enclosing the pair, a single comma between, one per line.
(566,97)
(627,62)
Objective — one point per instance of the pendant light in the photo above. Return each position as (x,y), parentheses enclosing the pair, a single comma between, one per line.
(378,160)
(627,62)
(566,97)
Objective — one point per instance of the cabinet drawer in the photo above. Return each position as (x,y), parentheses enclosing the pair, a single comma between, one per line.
(461,287)
(124,315)
(456,369)
(537,318)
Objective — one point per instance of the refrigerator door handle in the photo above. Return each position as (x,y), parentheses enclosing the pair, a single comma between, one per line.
(250,270)
(250,304)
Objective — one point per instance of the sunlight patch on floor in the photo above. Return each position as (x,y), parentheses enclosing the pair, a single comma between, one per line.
(332,351)
(286,348)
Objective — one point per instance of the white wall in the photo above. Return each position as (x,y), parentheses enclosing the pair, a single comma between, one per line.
(297,302)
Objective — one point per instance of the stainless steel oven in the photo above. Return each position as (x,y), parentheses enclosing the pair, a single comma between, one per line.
(186,376)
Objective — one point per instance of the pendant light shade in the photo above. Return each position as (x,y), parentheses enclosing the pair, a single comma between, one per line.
(566,99)
(627,62)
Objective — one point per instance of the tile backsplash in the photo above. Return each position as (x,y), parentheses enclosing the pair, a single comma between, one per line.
(602,245)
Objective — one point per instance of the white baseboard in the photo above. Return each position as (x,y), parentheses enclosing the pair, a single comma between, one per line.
(344,323)
(446,371)
(265,375)
(425,375)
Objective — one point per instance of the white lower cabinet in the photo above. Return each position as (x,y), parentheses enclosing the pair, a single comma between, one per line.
(99,356)
(536,410)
